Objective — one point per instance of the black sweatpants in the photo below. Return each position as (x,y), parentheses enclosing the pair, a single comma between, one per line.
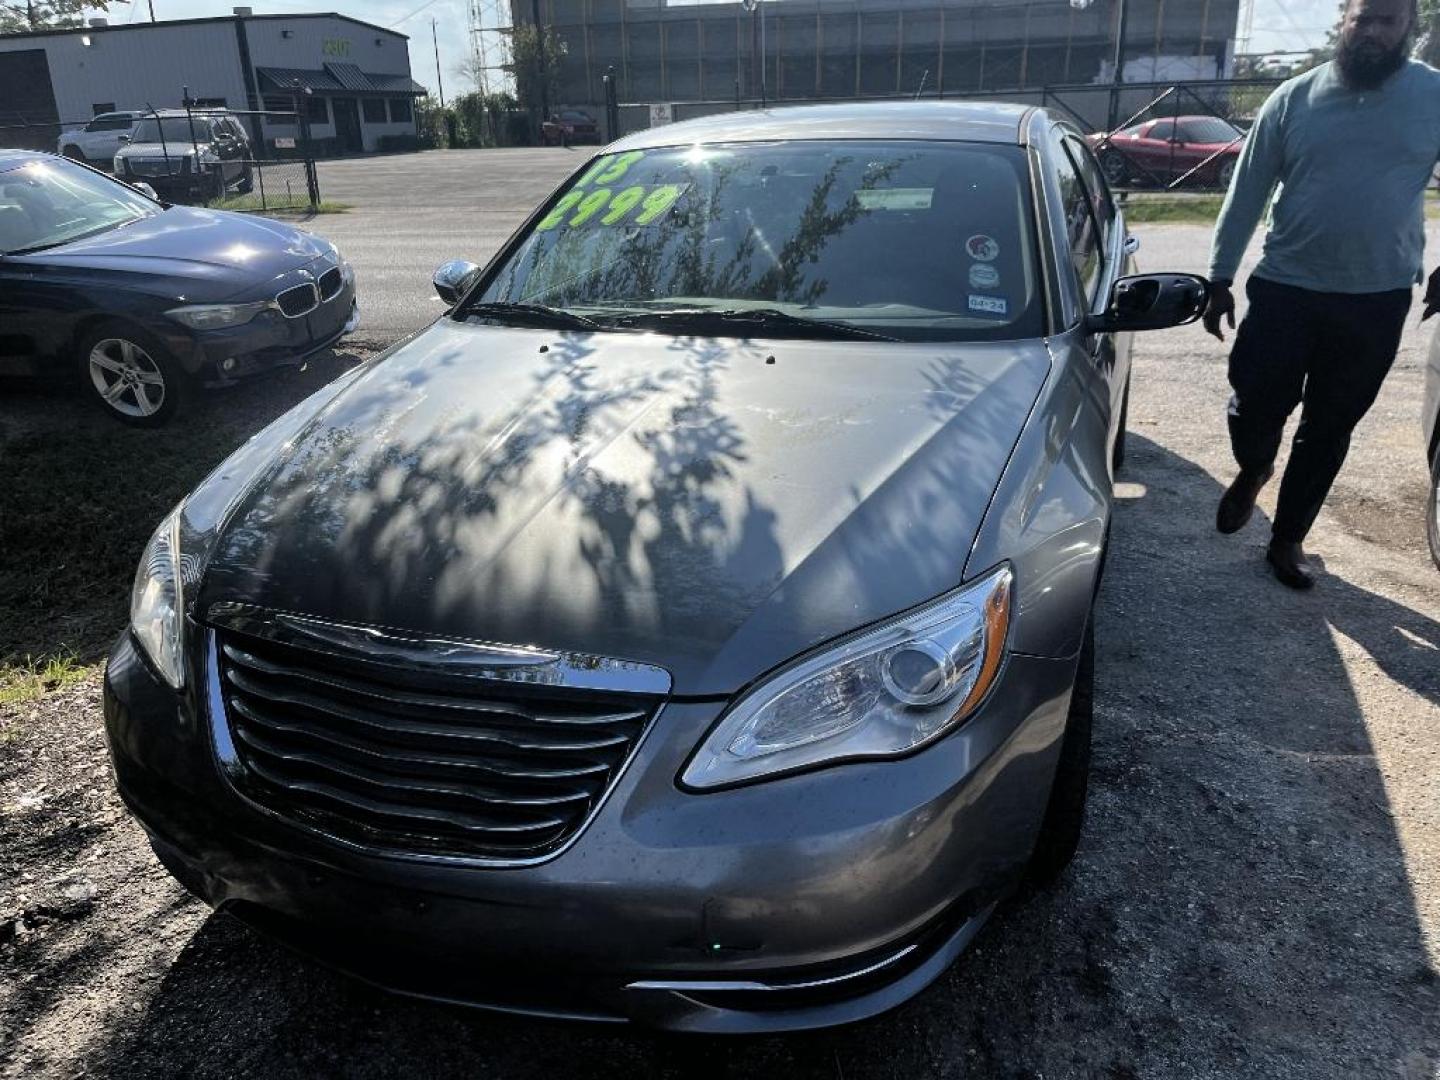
(1331,351)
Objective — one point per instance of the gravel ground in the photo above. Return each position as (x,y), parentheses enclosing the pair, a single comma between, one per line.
(1257,893)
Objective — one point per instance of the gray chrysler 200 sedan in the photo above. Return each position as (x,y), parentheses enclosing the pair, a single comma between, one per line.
(692,625)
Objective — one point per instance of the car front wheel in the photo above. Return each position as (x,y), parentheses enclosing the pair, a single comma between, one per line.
(1065,813)
(1115,167)
(1225,174)
(130,374)
(1432,512)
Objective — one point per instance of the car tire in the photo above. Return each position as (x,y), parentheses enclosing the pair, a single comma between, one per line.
(1225,174)
(247,182)
(1065,812)
(130,374)
(1115,167)
(1117,456)
(1432,512)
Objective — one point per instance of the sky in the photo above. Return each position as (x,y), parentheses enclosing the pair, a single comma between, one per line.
(1279,25)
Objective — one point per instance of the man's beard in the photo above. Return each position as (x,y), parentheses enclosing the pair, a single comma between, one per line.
(1365,67)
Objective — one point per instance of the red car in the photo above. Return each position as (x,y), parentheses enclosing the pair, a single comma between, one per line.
(570,126)
(1164,150)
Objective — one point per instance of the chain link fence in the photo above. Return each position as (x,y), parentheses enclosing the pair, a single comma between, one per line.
(232,159)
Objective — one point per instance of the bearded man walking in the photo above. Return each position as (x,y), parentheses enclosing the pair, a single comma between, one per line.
(1352,145)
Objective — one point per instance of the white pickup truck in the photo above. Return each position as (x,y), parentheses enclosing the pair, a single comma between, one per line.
(96,142)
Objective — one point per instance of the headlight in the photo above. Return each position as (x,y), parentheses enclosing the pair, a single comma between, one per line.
(882,693)
(118,164)
(171,566)
(216,316)
(156,599)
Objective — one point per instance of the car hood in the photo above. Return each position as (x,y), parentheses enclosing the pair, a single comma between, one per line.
(714,507)
(198,254)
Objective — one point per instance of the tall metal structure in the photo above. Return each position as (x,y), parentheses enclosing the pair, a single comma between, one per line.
(490,44)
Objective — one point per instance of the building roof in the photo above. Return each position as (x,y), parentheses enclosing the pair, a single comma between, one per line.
(950,121)
(336,78)
(118,27)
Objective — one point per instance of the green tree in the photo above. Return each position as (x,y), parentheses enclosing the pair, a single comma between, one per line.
(17,16)
(535,59)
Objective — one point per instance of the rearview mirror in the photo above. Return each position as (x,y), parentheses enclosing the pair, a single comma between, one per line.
(1152,302)
(454,279)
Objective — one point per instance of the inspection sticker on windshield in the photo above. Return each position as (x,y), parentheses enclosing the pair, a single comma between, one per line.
(982,248)
(990,305)
(984,276)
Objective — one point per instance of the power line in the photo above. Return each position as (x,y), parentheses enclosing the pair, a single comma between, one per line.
(412,14)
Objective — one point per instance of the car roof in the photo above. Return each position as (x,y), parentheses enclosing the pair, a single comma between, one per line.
(957,121)
(13,159)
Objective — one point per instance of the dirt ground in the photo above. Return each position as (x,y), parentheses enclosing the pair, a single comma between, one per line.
(1257,893)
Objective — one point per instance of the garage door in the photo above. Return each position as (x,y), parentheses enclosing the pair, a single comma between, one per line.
(28,119)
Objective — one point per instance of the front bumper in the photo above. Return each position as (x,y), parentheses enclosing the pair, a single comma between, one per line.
(817,899)
(266,342)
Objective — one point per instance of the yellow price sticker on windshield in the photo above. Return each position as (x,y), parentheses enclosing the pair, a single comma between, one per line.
(577,207)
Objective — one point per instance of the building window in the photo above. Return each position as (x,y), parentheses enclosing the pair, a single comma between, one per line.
(374,109)
(317,111)
(399,110)
(102,107)
(287,33)
(275,103)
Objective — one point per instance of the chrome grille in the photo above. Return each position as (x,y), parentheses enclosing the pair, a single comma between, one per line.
(297,301)
(330,283)
(155,166)
(411,761)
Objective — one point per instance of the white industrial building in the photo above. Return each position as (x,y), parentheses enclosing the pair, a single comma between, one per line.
(352,78)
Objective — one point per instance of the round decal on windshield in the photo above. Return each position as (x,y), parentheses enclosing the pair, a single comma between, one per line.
(984,276)
(982,248)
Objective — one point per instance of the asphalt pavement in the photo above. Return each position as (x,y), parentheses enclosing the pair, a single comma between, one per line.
(412,212)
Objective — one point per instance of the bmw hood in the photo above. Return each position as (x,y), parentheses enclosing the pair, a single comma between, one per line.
(714,507)
(200,254)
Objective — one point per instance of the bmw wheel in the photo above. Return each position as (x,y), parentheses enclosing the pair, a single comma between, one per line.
(1432,512)
(1065,813)
(130,374)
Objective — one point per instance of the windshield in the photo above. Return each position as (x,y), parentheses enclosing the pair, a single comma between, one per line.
(46,203)
(918,241)
(176,129)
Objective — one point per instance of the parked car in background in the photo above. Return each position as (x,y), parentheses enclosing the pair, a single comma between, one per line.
(1162,151)
(694,624)
(139,299)
(100,140)
(1431,418)
(569,127)
(185,156)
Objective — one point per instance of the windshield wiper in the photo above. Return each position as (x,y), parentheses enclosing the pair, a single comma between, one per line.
(533,315)
(754,320)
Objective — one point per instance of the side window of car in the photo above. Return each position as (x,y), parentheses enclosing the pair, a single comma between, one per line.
(1101,201)
(1162,129)
(1186,133)
(1080,224)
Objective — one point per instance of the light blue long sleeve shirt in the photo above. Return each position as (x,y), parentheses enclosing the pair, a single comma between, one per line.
(1352,167)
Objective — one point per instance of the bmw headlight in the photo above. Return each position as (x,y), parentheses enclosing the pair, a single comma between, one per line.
(216,316)
(882,693)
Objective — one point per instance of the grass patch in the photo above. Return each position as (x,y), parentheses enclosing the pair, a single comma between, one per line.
(31,679)
(252,202)
(1173,209)
(1151,209)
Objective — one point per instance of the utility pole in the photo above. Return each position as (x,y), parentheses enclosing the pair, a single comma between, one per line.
(540,61)
(1122,23)
(152,10)
(439,79)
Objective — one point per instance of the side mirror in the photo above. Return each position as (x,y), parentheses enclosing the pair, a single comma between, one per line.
(454,279)
(1152,302)
(124,138)
(145,189)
